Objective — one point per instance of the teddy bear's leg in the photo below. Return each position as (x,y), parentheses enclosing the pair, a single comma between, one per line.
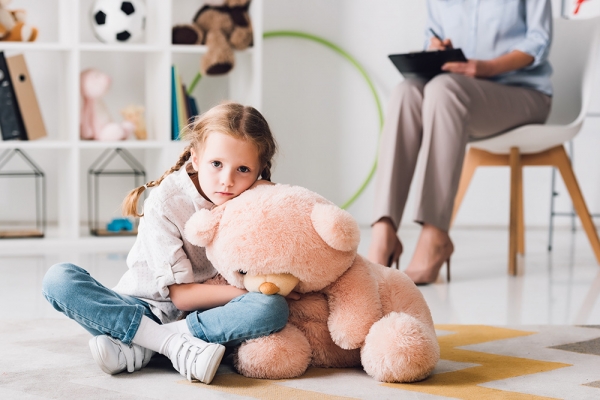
(29,33)
(400,348)
(22,33)
(241,38)
(219,58)
(285,354)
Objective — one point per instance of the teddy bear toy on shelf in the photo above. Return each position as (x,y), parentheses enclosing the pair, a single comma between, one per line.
(13,27)
(222,25)
(352,312)
(135,114)
(96,123)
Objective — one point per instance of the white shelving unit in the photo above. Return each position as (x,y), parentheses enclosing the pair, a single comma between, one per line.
(141,74)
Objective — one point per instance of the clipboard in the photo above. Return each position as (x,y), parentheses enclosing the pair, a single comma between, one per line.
(425,64)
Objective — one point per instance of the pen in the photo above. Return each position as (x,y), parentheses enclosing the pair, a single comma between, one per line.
(436,35)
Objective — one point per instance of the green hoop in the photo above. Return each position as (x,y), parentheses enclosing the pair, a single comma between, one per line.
(363,73)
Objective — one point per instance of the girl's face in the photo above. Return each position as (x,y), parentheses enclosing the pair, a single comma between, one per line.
(226,167)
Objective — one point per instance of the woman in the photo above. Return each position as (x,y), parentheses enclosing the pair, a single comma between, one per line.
(504,83)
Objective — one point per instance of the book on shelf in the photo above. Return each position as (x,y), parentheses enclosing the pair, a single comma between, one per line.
(174,118)
(26,98)
(183,106)
(186,104)
(11,122)
(180,100)
(191,106)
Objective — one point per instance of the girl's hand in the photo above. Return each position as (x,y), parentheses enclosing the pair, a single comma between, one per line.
(293,295)
(472,68)
(437,44)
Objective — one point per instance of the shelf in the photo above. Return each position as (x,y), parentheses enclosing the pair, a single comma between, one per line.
(189,48)
(35,144)
(89,144)
(33,46)
(139,74)
(125,144)
(200,49)
(49,245)
(123,48)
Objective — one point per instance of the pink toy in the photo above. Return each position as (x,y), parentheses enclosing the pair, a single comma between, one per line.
(275,238)
(95,120)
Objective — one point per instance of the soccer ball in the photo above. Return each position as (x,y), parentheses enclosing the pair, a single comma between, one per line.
(118,21)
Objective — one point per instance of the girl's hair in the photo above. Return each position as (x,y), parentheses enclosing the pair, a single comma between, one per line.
(233,119)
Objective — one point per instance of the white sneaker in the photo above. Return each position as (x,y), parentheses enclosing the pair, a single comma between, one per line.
(194,358)
(114,356)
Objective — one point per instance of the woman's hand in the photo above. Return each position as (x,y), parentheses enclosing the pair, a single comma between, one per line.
(472,68)
(484,69)
(437,44)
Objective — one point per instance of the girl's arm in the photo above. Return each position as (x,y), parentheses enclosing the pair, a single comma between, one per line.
(199,296)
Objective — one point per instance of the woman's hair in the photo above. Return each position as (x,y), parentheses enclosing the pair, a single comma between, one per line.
(233,119)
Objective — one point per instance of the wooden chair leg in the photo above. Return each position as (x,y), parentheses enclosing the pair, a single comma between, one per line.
(470,164)
(563,163)
(513,235)
(521,214)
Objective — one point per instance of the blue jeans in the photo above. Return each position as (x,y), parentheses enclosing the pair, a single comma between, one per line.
(102,311)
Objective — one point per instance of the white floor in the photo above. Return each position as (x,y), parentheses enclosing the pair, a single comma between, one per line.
(560,287)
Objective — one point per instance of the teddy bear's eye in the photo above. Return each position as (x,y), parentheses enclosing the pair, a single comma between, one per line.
(242,272)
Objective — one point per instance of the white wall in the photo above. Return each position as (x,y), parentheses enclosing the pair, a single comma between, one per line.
(325,119)
(324,116)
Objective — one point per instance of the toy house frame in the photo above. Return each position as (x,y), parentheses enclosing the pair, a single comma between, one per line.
(100,168)
(40,194)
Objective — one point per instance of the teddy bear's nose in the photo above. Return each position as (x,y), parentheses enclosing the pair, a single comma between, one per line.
(268,288)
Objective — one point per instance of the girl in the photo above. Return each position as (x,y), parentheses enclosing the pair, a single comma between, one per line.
(230,147)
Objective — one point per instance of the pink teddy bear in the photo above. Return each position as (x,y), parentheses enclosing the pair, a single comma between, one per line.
(95,121)
(352,312)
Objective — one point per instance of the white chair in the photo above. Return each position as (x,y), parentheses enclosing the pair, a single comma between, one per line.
(574,58)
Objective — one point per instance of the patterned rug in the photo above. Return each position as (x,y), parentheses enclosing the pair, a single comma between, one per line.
(49,359)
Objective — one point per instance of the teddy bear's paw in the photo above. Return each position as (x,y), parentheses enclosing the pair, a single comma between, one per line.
(282,355)
(186,34)
(347,340)
(400,348)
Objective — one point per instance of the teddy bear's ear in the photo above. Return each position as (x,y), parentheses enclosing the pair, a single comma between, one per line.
(202,226)
(336,227)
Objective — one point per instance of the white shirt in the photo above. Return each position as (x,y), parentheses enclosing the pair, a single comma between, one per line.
(161,256)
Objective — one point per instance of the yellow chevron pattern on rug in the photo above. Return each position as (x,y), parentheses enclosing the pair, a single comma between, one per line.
(463,384)
(266,389)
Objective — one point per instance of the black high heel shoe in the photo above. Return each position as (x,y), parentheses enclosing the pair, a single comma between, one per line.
(394,258)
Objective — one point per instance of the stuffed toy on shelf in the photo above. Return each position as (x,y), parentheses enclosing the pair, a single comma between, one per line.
(135,114)
(351,312)
(13,27)
(96,123)
(223,26)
